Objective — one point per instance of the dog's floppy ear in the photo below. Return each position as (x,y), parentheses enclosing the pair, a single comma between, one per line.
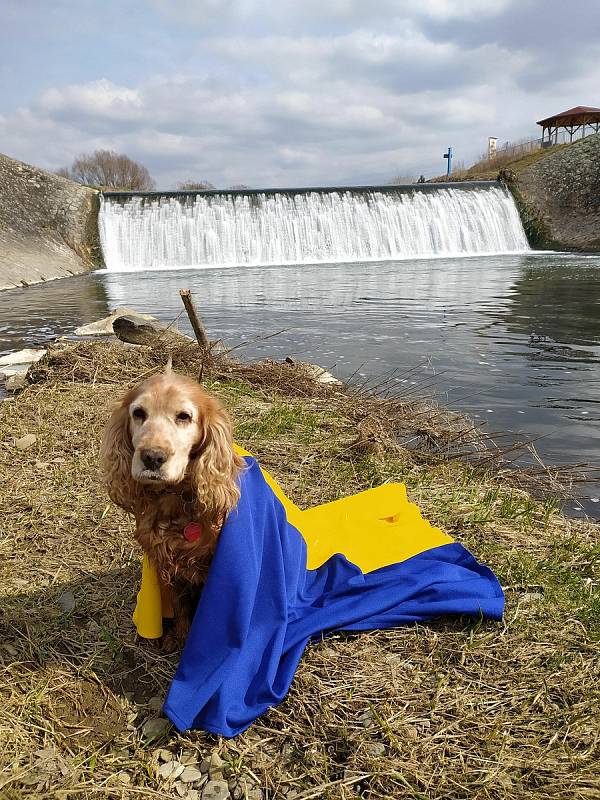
(116,453)
(215,469)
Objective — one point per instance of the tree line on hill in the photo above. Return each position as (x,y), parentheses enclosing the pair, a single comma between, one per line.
(105,169)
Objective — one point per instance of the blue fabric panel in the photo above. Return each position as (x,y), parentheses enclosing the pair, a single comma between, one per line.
(260,606)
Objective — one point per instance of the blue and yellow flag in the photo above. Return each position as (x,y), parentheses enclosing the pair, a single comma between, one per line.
(281,577)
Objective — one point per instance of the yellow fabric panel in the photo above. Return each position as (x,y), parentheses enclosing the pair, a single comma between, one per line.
(148,613)
(372,529)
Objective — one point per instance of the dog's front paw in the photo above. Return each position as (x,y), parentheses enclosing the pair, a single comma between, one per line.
(169,643)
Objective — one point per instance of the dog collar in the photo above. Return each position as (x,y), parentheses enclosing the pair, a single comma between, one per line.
(192,531)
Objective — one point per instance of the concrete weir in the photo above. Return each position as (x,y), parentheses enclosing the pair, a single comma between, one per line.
(48,225)
(324,224)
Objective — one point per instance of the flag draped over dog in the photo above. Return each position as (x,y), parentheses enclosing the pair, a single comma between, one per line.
(281,577)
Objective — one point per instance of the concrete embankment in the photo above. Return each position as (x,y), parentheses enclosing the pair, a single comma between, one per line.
(48,225)
(559,197)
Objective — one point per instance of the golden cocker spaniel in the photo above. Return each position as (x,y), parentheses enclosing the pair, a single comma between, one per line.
(168,459)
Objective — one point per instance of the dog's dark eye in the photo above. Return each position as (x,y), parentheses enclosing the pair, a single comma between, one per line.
(183,416)
(139,413)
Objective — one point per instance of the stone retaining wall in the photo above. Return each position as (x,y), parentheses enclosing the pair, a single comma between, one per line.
(48,225)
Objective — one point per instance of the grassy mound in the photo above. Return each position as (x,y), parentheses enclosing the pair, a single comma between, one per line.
(454,709)
(488,169)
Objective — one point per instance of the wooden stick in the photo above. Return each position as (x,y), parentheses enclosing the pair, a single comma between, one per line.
(197,325)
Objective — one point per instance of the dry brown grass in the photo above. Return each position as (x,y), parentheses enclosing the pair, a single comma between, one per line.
(454,709)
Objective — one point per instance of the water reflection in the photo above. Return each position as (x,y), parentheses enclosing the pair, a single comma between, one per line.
(31,316)
(513,340)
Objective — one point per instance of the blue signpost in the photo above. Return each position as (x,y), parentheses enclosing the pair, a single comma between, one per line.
(448,155)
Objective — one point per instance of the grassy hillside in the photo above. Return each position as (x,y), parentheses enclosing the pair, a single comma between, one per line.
(489,169)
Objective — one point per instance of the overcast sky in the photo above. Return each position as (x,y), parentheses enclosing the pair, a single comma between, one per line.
(284,93)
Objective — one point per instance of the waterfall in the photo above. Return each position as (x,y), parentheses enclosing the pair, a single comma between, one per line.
(321,226)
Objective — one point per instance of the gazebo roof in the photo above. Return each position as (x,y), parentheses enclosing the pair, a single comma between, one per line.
(579,115)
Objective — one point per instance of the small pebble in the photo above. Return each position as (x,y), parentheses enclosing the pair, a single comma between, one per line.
(14,383)
(216,790)
(67,602)
(155,703)
(25,441)
(375,749)
(190,775)
(532,597)
(193,794)
(155,727)
(215,769)
(189,758)
(170,770)
(205,765)
(163,755)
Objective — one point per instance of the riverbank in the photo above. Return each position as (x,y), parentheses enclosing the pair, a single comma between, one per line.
(454,708)
(48,226)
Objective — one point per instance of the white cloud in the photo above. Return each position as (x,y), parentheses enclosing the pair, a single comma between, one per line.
(309,93)
(97,99)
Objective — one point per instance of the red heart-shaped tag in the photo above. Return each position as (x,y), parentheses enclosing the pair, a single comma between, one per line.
(193,531)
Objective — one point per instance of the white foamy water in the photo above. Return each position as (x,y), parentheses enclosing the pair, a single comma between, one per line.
(316,227)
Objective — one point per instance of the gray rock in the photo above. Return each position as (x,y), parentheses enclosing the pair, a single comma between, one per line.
(322,375)
(20,357)
(189,758)
(170,770)
(67,602)
(136,330)
(205,765)
(193,794)
(366,719)
(191,775)
(14,369)
(155,703)
(216,790)
(532,597)
(104,326)
(255,794)
(155,727)
(25,441)
(375,749)
(163,755)
(215,770)
(14,383)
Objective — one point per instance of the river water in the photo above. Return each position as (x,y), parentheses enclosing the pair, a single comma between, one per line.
(513,340)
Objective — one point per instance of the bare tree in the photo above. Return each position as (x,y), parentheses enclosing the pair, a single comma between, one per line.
(238,187)
(109,170)
(200,186)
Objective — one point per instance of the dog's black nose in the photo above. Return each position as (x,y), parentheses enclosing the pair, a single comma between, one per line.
(153,459)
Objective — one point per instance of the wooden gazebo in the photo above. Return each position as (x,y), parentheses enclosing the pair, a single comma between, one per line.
(573,120)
